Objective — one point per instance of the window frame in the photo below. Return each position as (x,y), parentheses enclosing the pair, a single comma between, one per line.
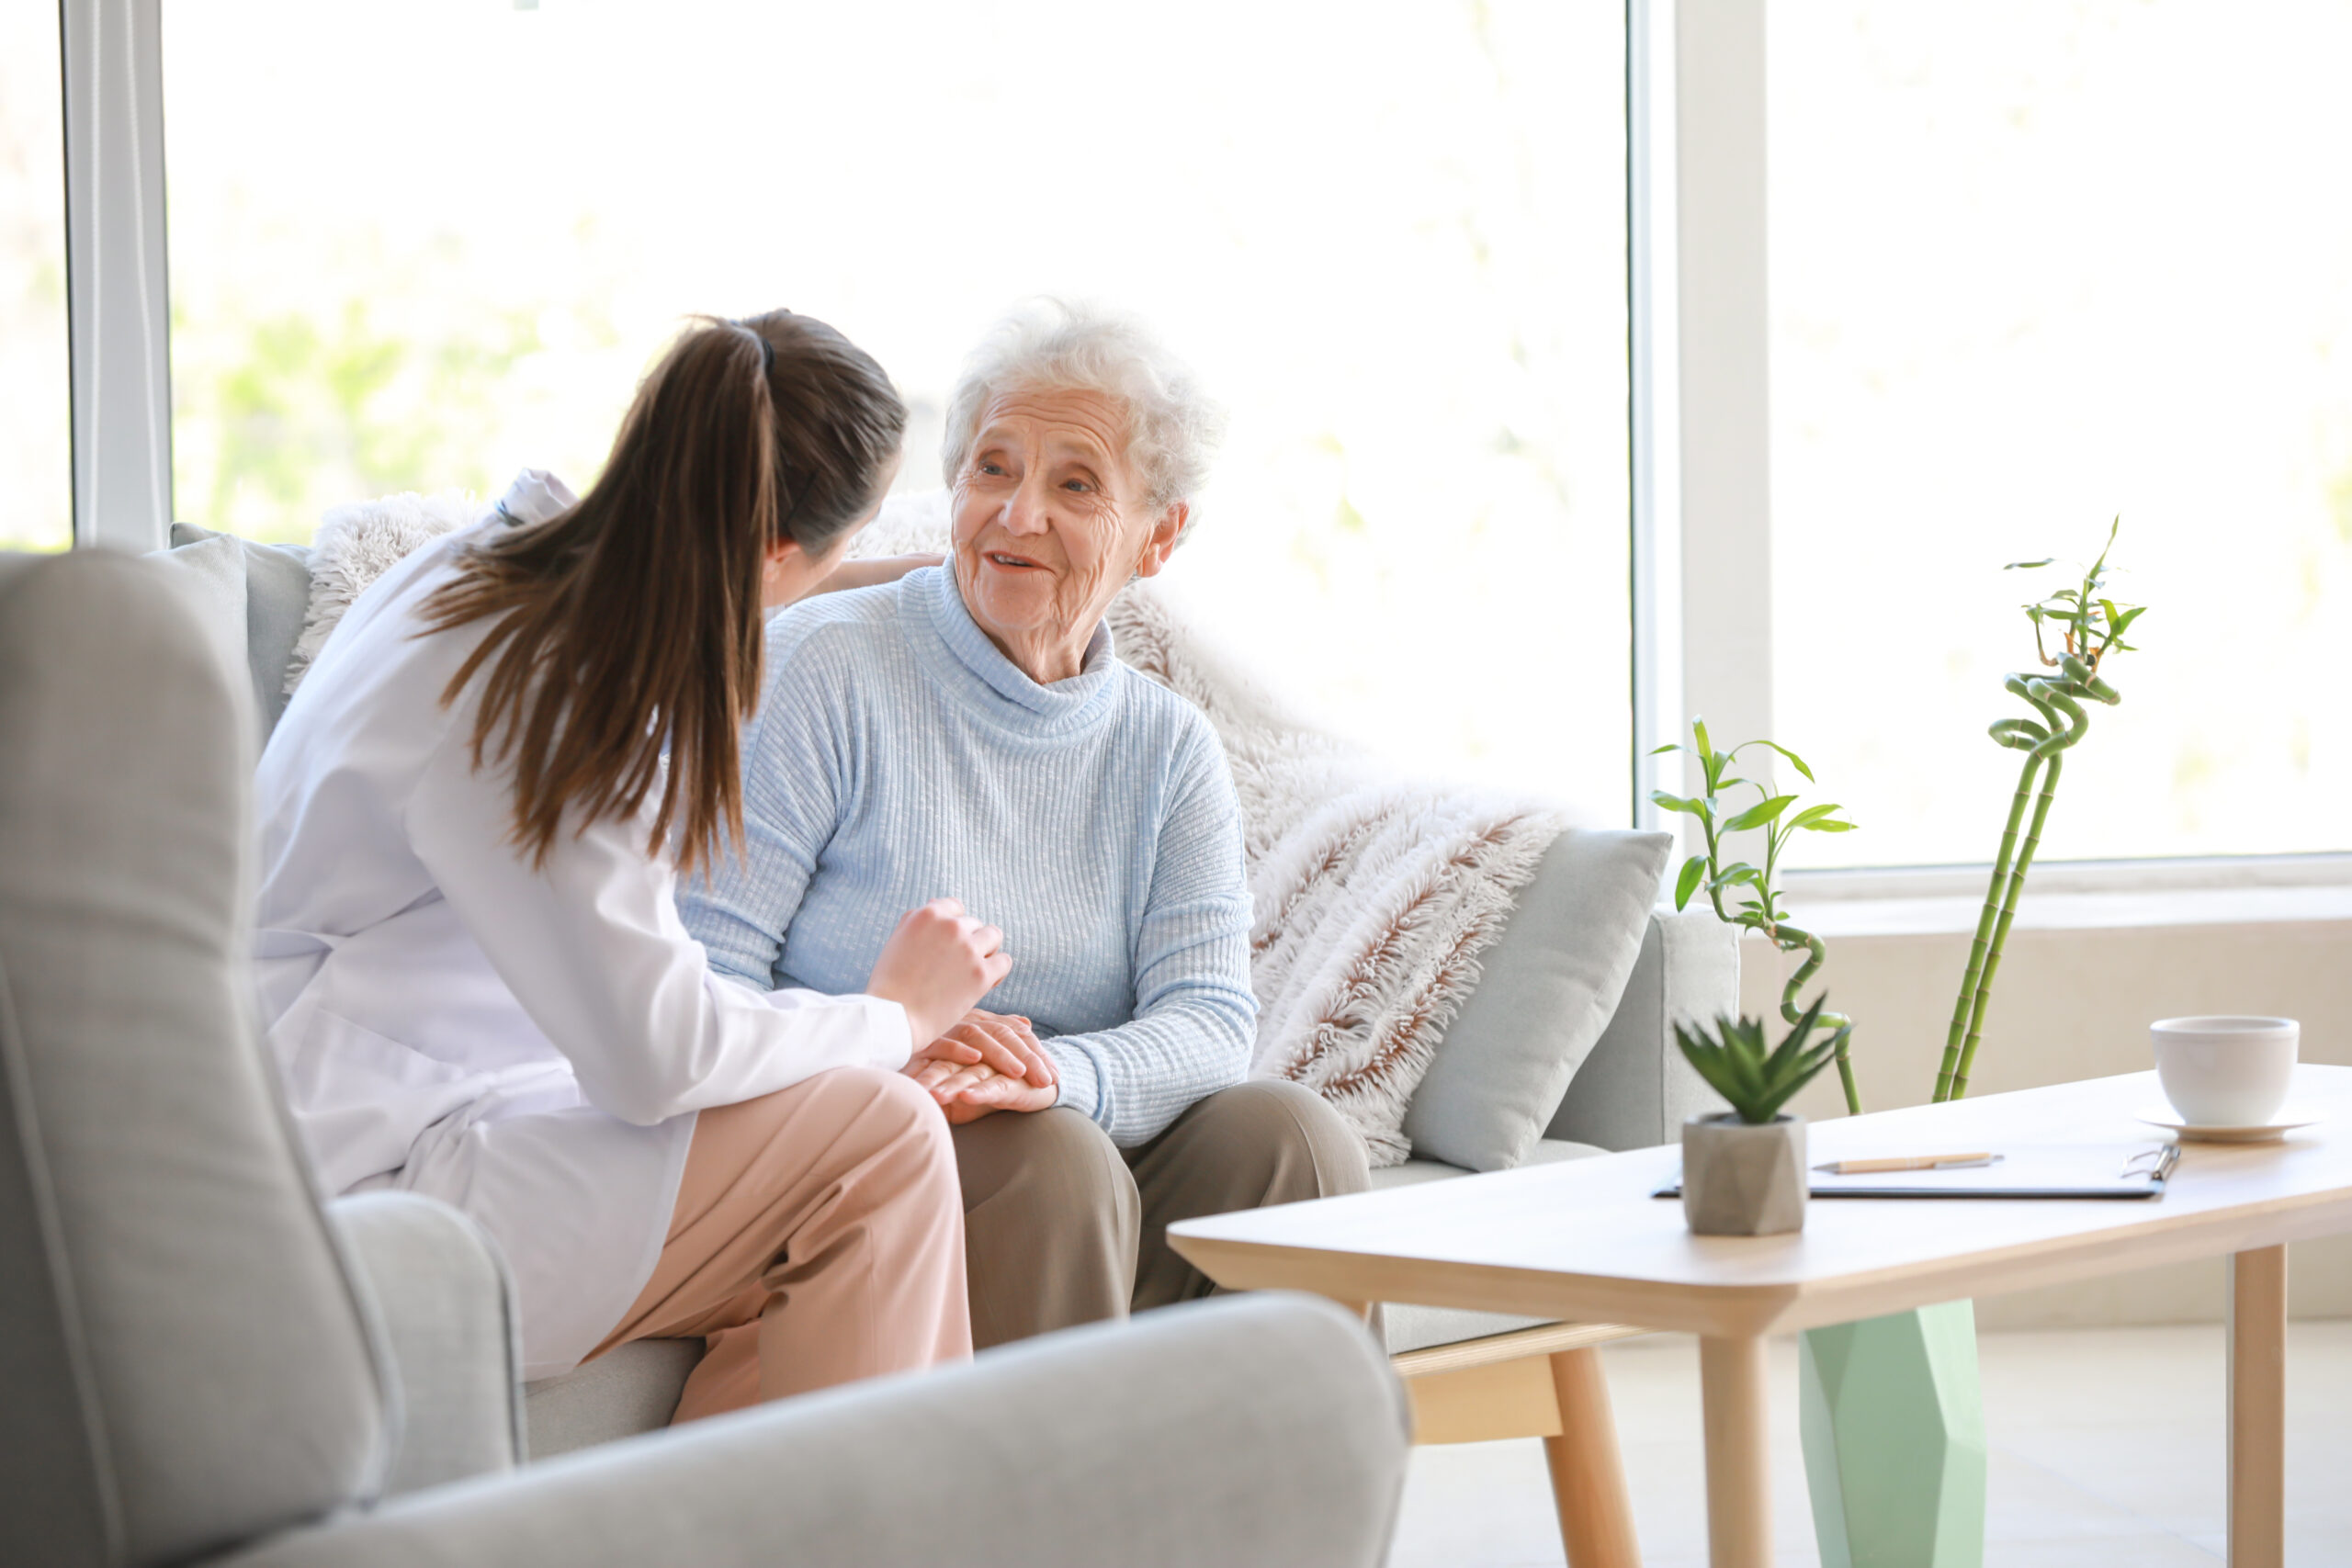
(1698,333)
(1702,478)
(118,297)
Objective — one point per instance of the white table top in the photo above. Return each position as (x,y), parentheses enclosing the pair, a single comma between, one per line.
(1584,1241)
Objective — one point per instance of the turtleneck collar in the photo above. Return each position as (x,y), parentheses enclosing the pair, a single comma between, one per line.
(961,655)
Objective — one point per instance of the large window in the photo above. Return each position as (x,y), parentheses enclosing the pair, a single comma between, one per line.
(422,244)
(2032,267)
(35,434)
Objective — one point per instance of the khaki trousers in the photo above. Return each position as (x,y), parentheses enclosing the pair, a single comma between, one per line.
(817,1238)
(1061,1228)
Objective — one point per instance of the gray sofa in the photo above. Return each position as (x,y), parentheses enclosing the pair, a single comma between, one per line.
(1564,1049)
(202,1363)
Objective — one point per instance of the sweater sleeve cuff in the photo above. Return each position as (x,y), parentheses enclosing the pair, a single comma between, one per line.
(1081,1088)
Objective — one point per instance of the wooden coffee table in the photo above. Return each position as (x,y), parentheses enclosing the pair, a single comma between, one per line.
(1584,1242)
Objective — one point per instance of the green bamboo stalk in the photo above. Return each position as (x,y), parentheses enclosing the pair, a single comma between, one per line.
(1761,914)
(2093,628)
(1989,921)
(1791,939)
(2055,700)
(2001,931)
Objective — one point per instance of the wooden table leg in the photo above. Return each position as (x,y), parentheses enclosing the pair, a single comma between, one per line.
(1739,1502)
(1588,1475)
(2258,1408)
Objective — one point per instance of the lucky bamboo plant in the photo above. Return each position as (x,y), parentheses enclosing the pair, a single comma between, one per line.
(1760,911)
(2091,628)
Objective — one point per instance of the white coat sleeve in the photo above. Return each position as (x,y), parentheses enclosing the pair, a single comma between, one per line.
(592,946)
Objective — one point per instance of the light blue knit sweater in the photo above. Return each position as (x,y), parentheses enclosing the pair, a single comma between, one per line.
(896,756)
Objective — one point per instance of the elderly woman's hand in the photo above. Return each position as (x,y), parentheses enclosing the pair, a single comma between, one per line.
(984,1045)
(993,1091)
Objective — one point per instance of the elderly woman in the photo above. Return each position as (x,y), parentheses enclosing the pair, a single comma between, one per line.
(969,729)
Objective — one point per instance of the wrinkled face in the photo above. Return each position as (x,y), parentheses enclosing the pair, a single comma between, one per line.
(1051,520)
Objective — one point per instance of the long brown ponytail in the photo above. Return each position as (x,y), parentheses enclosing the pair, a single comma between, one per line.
(629,625)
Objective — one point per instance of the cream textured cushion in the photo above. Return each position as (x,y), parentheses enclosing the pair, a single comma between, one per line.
(1549,989)
(213,572)
(278,595)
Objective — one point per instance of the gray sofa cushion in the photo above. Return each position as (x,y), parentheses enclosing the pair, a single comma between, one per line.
(1547,990)
(227,1380)
(56,1503)
(631,1388)
(278,595)
(1260,1431)
(448,1314)
(1636,1090)
(635,1388)
(214,570)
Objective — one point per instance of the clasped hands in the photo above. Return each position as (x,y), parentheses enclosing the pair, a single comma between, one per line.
(938,962)
(988,1061)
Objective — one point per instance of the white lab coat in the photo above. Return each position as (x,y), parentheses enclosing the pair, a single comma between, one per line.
(530,1045)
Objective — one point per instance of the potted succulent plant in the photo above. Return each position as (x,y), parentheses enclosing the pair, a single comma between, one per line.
(1744,1170)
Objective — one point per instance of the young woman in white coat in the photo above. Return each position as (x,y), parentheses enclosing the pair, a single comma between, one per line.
(471,969)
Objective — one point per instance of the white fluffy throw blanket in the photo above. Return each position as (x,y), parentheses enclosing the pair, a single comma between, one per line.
(357,544)
(1372,897)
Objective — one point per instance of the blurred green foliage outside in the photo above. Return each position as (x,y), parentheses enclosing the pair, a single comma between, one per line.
(303,410)
(36,408)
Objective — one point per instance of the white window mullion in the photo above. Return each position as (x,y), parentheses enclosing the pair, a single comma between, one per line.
(1653,314)
(1704,584)
(118,297)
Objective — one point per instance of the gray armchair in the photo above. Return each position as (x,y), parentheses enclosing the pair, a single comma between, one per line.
(1565,1049)
(202,1363)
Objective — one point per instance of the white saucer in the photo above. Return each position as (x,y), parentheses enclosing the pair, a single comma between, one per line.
(2270,1131)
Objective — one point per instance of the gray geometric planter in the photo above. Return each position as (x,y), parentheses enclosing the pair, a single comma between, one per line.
(1893,1428)
(1740,1180)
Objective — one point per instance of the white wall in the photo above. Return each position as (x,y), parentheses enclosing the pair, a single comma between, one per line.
(2075,1004)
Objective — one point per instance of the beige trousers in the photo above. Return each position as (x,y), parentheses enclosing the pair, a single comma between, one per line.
(1061,1228)
(817,1238)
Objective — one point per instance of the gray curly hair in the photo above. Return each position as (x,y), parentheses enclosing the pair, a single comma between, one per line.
(1052,344)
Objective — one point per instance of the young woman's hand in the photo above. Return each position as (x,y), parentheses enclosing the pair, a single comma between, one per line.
(1006,1042)
(936,964)
(983,1047)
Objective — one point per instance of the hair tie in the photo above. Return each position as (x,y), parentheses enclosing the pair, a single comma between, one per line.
(767,349)
(784,469)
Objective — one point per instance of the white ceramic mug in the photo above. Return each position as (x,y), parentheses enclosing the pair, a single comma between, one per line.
(2226,1072)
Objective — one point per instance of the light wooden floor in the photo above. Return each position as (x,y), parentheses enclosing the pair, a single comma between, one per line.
(2107,1449)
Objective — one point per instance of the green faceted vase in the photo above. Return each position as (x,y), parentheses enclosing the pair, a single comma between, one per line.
(1893,1428)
